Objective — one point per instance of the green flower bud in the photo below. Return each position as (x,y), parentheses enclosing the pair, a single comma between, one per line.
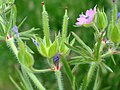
(24,56)
(102,20)
(114,14)
(114,34)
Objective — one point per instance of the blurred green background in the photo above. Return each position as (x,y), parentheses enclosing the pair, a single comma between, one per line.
(33,9)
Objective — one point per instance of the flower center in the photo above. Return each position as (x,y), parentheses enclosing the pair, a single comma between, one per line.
(86,17)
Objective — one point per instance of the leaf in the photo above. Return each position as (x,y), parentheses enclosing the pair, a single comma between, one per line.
(73,48)
(14,15)
(76,57)
(76,50)
(83,51)
(113,59)
(62,46)
(27,81)
(107,67)
(22,22)
(29,50)
(17,86)
(28,33)
(97,81)
(53,49)
(67,69)
(42,50)
(82,43)
(80,61)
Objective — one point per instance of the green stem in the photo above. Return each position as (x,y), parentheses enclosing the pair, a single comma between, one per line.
(89,76)
(98,48)
(39,71)
(12,45)
(90,72)
(59,79)
(36,81)
(95,27)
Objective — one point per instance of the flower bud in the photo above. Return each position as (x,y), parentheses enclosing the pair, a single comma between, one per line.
(114,34)
(102,20)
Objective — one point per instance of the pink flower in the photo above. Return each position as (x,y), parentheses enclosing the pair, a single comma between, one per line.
(87,18)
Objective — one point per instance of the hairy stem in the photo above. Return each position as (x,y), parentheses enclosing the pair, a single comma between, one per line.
(10,42)
(39,71)
(88,77)
(36,81)
(59,79)
(95,27)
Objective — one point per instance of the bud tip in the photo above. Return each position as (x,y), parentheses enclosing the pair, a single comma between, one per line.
(43,3)
(66,7)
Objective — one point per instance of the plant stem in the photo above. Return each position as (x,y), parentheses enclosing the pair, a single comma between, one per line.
(88,77)
(36,81)
(95,27)
(59,79)
(98,47)
(39,71)
(12,45)
(90,72)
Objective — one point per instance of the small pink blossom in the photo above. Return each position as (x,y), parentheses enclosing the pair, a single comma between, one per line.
(87,18)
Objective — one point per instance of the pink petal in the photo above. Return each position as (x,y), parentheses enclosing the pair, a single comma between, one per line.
(88,18)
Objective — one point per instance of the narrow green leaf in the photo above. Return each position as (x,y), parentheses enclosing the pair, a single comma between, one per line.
(76,50)
(76,57)
(97,81)
(28,83)
(107,67)
(22,22)
(82,43)
(67,69)
(113,59)
(29,50)
(25,81)
(17,86)
(14,10)
(73,48)
(79,61)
